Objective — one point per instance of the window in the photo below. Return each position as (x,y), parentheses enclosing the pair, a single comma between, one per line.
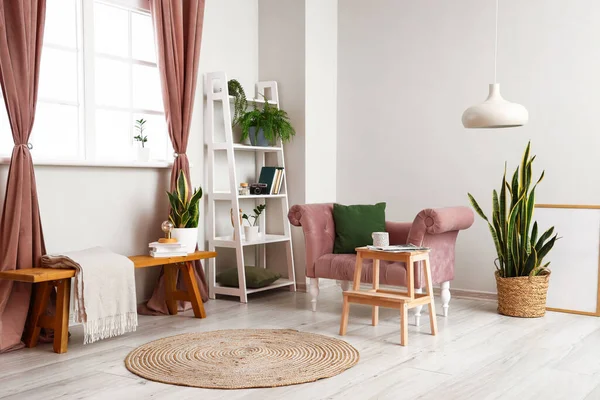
(98,74)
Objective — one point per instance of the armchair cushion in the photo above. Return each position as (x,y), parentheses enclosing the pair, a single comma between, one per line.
(355,224)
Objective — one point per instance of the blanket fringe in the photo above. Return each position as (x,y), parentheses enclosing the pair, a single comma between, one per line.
(108,327)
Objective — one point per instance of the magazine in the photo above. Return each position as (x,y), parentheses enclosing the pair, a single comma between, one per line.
(398,248)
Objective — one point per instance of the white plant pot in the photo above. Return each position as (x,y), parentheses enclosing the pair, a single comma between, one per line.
(143,154)
(251,233)
(188,237)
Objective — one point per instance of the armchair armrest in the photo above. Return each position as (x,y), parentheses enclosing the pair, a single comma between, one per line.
(318,227)
(435,221)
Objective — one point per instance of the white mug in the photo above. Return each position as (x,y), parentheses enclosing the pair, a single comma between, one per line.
(380,239)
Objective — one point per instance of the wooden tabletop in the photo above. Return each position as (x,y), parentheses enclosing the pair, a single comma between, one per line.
(368,253)
(144,261)
(35,275)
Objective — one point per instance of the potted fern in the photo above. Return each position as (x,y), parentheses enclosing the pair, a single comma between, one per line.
(185,213)
(264,127)
(521,276)
(235,89)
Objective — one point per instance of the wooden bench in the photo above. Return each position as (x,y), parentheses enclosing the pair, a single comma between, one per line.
(44,279)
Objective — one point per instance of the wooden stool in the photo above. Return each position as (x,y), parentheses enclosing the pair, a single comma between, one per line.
(389,298)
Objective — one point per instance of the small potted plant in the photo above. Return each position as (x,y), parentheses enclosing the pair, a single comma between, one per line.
(143,151)
(185,213)
(264,127)
(251,230)
(240,103)
(521,276)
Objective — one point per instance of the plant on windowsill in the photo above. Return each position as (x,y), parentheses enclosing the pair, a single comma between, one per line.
(264,127)
(251,231)
(185,213)
(240,104)
(143,151)
(521,278)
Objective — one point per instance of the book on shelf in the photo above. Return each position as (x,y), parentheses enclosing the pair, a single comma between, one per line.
(272,176)
(398,248)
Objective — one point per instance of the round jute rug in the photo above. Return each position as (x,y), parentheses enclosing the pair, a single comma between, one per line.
(242,358)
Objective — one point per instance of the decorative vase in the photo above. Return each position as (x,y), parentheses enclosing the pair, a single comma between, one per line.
(523,296)
(251,233)
(188,237)
(258,140)
(232,224)
(143,154)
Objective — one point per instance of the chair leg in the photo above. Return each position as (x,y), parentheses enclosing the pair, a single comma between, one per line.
(40,302)
(418,309)
(445,286)
(345,285)
(61,320)
(314,292)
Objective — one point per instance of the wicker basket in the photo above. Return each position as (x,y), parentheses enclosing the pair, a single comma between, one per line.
(524,296)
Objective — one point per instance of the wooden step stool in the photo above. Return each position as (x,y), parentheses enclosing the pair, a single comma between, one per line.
(390,298)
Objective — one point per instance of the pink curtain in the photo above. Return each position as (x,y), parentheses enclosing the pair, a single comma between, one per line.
(178,30)
(21,238)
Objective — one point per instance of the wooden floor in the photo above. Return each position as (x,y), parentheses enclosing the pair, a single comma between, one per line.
(478,354)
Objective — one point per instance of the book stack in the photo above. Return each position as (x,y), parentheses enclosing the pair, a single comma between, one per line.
(273,177)
(165,250)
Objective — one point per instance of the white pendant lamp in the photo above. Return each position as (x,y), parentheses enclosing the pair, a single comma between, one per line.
(495,112)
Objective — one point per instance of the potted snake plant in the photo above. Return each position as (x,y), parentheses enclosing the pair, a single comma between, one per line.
(521,274)
(185,213)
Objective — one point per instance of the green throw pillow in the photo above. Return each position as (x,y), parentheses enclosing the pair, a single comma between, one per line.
(355,224)
(255,277)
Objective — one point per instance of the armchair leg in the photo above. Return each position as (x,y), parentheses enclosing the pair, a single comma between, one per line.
(418,309)
(445,286)
(345,285)
(314,292)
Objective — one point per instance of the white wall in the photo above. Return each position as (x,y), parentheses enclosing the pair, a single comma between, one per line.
(408,70)
(282,59)
(122,208)
(321,100)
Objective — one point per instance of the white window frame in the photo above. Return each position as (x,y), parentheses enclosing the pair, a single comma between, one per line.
(86,102)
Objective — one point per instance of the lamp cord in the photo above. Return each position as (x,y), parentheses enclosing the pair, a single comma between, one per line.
(496,47)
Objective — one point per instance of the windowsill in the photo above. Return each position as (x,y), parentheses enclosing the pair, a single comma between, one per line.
(98,163)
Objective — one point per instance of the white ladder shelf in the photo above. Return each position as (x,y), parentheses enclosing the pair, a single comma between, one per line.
(217,93)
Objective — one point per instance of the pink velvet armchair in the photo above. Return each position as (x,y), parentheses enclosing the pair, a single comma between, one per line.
(436,228)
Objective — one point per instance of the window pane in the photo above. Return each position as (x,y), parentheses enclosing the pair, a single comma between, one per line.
(146,88)
(158,136)
(112,82)
(55,131)
(58,75)
(111,30)
(61,23)
(114,135)
(142,37)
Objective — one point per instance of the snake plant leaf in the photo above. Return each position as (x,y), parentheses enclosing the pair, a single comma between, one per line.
(502,215)
(183,190)
(543,238)
(496,242)
(515,189)
(174,201)
(539,269)
(476,207)
(531,263)
(522,182)
(547,247)
(196,196)
(534,233)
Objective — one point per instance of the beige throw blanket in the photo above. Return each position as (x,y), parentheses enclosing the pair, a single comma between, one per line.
(105,301)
